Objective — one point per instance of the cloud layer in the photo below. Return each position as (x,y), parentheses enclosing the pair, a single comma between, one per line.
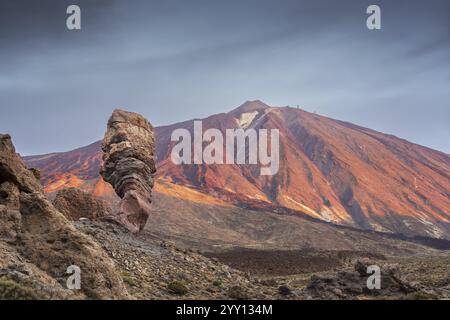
(176,60)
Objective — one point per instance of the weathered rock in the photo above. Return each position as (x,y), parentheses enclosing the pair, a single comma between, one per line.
(129,165)
(15,171)
(39,243)
(36,173)
(76,204)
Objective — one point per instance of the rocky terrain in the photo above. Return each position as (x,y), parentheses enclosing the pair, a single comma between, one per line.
(154,268)
(38,243)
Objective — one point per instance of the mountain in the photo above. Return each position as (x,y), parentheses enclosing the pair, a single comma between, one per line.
(329,170)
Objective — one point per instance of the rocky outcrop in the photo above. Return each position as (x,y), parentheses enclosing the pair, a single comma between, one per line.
(129,165)
(76,204)
(351,284)
(38,244)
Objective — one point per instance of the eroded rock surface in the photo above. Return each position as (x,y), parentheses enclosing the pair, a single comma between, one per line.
(76,204)
(38,244)
(129,165)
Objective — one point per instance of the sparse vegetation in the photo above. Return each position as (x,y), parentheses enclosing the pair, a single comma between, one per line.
(128,279)
(420,295)
(238,293)
(344,256)
(177,287)
(11,290)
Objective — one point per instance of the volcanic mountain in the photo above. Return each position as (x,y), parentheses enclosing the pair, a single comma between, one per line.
(329,170)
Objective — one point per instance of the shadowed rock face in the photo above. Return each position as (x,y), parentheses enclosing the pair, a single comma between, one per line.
(38,244)
(129,165)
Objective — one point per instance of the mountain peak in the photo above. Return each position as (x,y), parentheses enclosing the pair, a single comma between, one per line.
(248,106)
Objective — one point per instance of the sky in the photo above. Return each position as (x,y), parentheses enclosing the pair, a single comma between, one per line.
(177,60)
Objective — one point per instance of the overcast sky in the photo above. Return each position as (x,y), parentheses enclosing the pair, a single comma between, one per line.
(177,60)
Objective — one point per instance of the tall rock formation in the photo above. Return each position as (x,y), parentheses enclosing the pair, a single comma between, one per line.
(129,165)
(38,244)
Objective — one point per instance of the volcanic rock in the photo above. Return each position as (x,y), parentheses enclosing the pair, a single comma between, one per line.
(38,244)
(76,204)
(129,165)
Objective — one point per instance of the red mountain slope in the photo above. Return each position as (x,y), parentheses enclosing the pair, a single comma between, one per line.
(330,170)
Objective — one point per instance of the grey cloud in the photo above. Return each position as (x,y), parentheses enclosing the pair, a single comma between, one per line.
(176,60)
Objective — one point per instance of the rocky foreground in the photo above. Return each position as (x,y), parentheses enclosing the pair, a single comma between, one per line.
(38,243)
(40,240)
(153,268)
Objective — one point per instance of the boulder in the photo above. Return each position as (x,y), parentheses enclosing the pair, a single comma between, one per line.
(76,204)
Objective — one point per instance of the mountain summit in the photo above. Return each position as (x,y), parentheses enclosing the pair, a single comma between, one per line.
(249,106)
